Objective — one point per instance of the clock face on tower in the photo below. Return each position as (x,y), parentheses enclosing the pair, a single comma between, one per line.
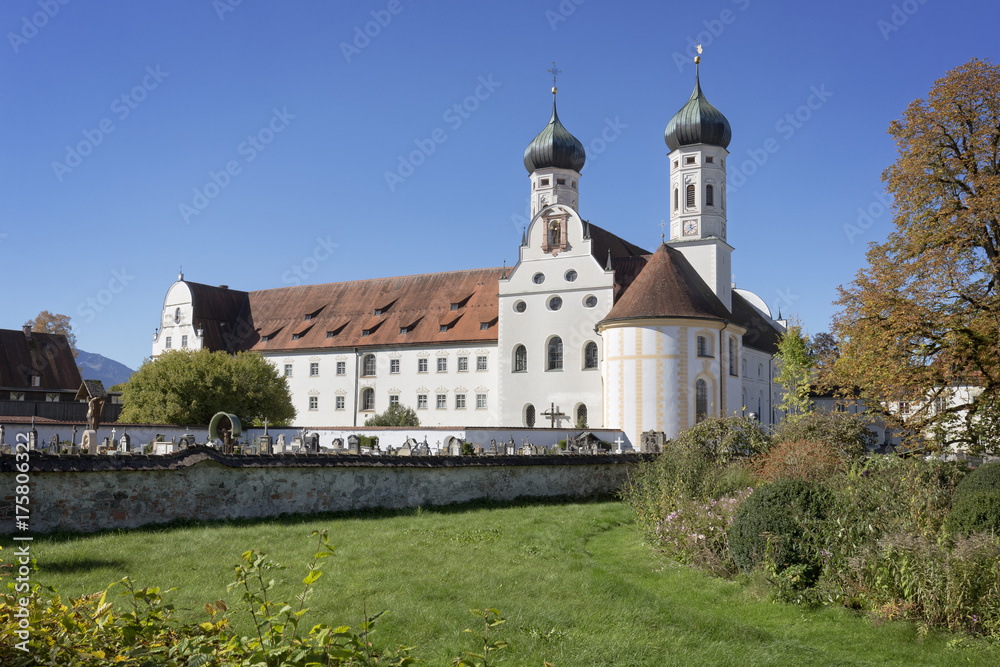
(690,227)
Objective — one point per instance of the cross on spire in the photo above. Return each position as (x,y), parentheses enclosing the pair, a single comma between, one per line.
(555,72)
(663,238)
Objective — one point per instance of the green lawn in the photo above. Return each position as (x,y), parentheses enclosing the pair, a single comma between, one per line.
(575,582)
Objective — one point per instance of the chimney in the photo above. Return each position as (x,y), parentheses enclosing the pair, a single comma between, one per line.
(27,331)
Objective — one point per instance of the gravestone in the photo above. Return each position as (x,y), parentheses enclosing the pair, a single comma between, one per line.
(312,443)
(265,444)
(125,444)
(478,449)
(510,448)
(454,447)
(279,446)
(405,450)
(353,444)
(338,443)
(88,443)
(652,442)
(54,444)
(529,450)
(32,437)
(3,433)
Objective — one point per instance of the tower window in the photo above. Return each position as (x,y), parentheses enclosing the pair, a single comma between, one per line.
(709,195)
(520,359)
(555,354)
(700,401)
(689,159)
(690,196)
(709,159)
(677,198)
(545,181)
(574,185)
(560,181)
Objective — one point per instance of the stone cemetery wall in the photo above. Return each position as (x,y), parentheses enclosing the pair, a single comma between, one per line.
(90,493)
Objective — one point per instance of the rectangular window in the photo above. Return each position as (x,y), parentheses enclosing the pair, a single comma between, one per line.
(167,344)
(288,370)
(560,181)
(184,341)
(480,401)
(709,159)
(484,326)
(545,181)
(314,402)
(904,408)
(393,400)
(463,364)
(443,328)
(421,401)
(421,365)
(17,395)
(341,368)
(314,369)
(339,402)
(480,363)
(36,380)
(402,330)
(442,364)
(689,159)
(330,334)
(442,401)
(459,401)
(394,365)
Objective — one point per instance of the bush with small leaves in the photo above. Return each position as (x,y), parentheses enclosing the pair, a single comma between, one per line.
(975,513)
(775,524)
(984,478)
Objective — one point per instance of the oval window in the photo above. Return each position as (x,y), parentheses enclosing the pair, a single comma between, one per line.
(520,306)
(538,278)
(555,303)
(571,275)
(590,301)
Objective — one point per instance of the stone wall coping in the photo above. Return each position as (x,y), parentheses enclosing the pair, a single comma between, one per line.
(192,456)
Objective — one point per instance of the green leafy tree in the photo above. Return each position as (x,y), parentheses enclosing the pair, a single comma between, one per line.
(182,387)
(394,415)
(796,364)
(921,318)
(47,322)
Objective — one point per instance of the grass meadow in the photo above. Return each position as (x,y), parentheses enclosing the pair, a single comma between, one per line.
(575,581)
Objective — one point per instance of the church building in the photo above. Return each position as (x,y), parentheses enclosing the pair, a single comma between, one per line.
(586,328)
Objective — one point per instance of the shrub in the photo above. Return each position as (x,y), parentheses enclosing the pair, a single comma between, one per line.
(984,478)
(468,449)
(975,513)
(848,434)
(775,522)
(696,532)
(952,585)
(804,460)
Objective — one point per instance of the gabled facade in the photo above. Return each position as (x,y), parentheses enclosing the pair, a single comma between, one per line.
(37,367)
(586,328)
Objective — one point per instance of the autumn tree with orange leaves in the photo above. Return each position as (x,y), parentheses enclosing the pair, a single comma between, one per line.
(923,318)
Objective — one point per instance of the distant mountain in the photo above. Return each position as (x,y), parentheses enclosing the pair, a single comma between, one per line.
(98,367)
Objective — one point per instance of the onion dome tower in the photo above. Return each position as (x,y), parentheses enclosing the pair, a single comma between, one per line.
(554,159)
(698,137)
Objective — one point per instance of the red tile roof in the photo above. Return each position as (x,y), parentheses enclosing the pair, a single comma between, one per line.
(47,355)
(422,304)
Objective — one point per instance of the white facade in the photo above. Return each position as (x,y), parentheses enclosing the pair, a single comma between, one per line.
(177,330)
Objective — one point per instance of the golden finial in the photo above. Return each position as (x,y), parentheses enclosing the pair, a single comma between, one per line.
(697,58)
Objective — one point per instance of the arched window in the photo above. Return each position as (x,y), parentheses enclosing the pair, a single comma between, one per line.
(744,368)
(709,195)
(677,198)
(555,357)
(529,416)
(732,356)
(700,401)
(581,416)
(368,365)
(760,371)
(367,398)
(520,359)
(590,355)
(690,196)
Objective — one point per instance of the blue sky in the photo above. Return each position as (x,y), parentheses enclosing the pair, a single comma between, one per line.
(250,142)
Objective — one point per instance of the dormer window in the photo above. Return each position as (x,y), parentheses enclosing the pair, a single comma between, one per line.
(308,316)
(443,328)
(403,330)
(379,311)
(296,336)
(483,326)
(454,306)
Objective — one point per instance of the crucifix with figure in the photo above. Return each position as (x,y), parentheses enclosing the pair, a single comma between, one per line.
(553,413)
